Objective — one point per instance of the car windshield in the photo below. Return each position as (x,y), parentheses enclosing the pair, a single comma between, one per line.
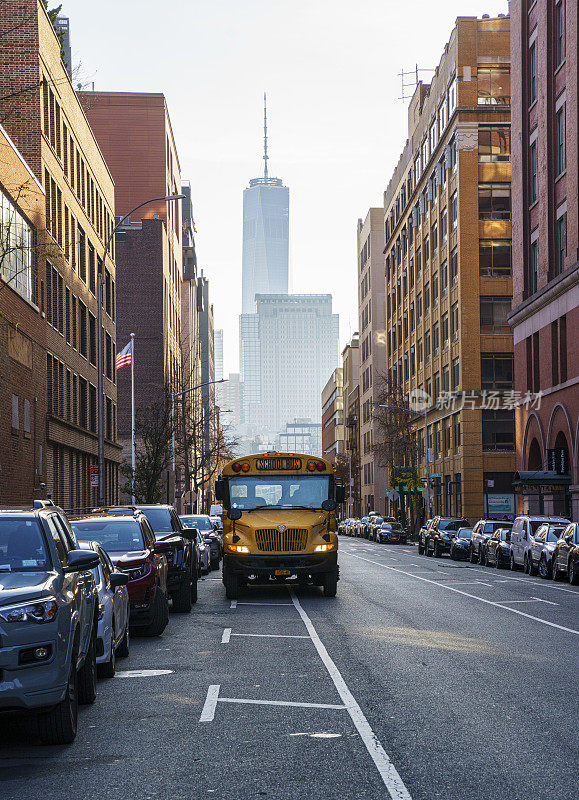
(491,527)
(22,546)
(160,519)
(464,533)
(450,524)
(554,533)
(278,491)
(115,535)
(505,535)
(201,523)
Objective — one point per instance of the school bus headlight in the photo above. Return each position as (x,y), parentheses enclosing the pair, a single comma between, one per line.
(237,548)
(323,548)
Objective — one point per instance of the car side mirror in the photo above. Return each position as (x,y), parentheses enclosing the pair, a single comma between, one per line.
(119,579)
(81,560)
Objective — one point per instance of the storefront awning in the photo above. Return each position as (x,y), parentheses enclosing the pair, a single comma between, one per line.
(540,481)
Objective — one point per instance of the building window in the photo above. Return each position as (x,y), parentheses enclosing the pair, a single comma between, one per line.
(497,371)
(432,137)
(494,201)
(424,154)
(534,266)
(454,266)
(435,338)
(494,86)
(454,321)
(434,237)
(26,421)
(442,118)
(494,143)
(15,415)
(454,210)
(559,34)
(455,373)
(426,249)
(493,314)
(445,332)
(452,153)
(447,437)
(561,244)
(495,258)
(498,430)
(16,247)
(456,432)
(560,143)
(452,99)
(443,225)
(532,75)
(443,278)
(533,173)
(435,290)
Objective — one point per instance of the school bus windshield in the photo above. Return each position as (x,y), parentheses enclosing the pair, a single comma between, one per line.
(276,491)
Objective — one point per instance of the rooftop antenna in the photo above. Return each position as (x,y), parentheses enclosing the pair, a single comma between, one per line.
(413,82)
(265,156)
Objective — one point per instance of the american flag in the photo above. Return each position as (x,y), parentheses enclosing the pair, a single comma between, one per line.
(125,356)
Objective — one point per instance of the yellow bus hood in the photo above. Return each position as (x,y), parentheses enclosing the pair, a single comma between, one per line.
(291,518)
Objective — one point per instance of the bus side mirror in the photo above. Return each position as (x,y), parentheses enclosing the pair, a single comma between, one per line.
(329,505)
(222,490)
(234,514)
(340,494)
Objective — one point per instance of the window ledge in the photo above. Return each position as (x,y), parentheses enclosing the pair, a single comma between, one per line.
(561,175)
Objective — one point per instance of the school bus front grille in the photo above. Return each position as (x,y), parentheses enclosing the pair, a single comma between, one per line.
(291,540)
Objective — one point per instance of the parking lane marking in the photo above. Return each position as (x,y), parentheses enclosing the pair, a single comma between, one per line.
(208,711)
(233,604)
(471,583)
(291,704)
(532,600)
(392,780)
(241,603)
(466,594)
(270,635)
(226,636)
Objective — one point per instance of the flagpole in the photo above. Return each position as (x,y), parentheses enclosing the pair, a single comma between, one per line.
(133,417)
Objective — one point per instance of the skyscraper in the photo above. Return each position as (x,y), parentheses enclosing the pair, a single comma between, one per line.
(265,235)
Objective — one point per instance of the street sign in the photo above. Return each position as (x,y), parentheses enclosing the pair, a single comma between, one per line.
(435,474)
(392,495)
(558,460)
(94,475)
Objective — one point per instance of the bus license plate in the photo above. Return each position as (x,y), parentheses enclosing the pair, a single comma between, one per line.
(283,572)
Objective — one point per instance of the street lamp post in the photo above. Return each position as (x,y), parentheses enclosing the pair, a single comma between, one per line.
(100,357)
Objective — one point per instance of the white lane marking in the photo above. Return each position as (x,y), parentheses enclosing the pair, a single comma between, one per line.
(142,673)
(471,583)
(279,703)
(472,596)
(385,767)
(532,600)
(241,603)
(269,635)
(226,636)
(208,712)
(233,604)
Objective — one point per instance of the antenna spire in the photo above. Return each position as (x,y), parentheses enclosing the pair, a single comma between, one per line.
(265,156)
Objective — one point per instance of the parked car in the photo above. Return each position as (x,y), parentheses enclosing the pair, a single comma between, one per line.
(390,532)
(523,531)
(213,538)
(422,535)
(130,542)
(204,554)
(438,537)
(566,554)
(182,557)
(481,533)
(497,549)
(113,612)
(373,526)
(48,620)
(365,525)
(342,526)
(217,523)
(542,547)
(352,524)
(460,544)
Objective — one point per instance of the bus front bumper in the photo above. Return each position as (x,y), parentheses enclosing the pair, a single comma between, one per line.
(280,566)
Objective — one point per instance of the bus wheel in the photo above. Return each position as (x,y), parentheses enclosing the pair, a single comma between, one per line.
(231,586)
(330,584)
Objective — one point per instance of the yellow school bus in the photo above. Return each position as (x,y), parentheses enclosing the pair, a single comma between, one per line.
(279,521)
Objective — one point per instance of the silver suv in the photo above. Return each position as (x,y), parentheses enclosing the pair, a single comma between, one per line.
(48,620)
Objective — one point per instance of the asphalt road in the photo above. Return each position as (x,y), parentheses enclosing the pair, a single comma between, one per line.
(425,678)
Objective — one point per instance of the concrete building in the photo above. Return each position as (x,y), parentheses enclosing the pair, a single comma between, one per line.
(372,327)
(351,379)
(333,439)
(301,436)
(298,337)
(47,125)
(545,316)
(448,271)
(22,330)
(134,133)
(231,400)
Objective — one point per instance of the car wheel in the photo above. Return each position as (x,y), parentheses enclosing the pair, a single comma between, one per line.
(108,668)
(573,573)
(59,724)
(557,575)
(124,648)
(427,548)
(87,674)
(513,565)
(532,567)
(182,598)
(437,550)
(473,557)
(330,583)
(544,568)
(481,557)
(160,615)
(231,586)
(194,590)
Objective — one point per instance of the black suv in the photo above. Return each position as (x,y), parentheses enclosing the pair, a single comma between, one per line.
(182,558)
(438,536)
(48,620)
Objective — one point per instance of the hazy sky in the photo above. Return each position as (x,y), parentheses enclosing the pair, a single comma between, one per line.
(336,126)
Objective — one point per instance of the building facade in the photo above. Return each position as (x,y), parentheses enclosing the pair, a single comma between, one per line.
(372,327)
(351,378)
(47,125)
(545,316)
(448,272)
(333,440)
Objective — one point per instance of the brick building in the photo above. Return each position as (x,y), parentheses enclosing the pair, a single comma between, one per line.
(135,136)
(372,326)
(43,117)
(351,378)
(448,270)
(333,442)
(545,316)
(22,330)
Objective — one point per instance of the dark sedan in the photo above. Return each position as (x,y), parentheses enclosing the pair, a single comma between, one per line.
(391,532)
(460,544)
(498,549)
(566,554)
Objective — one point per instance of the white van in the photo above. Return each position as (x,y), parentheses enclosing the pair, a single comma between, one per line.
(522,537)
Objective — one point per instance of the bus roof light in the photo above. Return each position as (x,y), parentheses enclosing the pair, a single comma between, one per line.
(321,467)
